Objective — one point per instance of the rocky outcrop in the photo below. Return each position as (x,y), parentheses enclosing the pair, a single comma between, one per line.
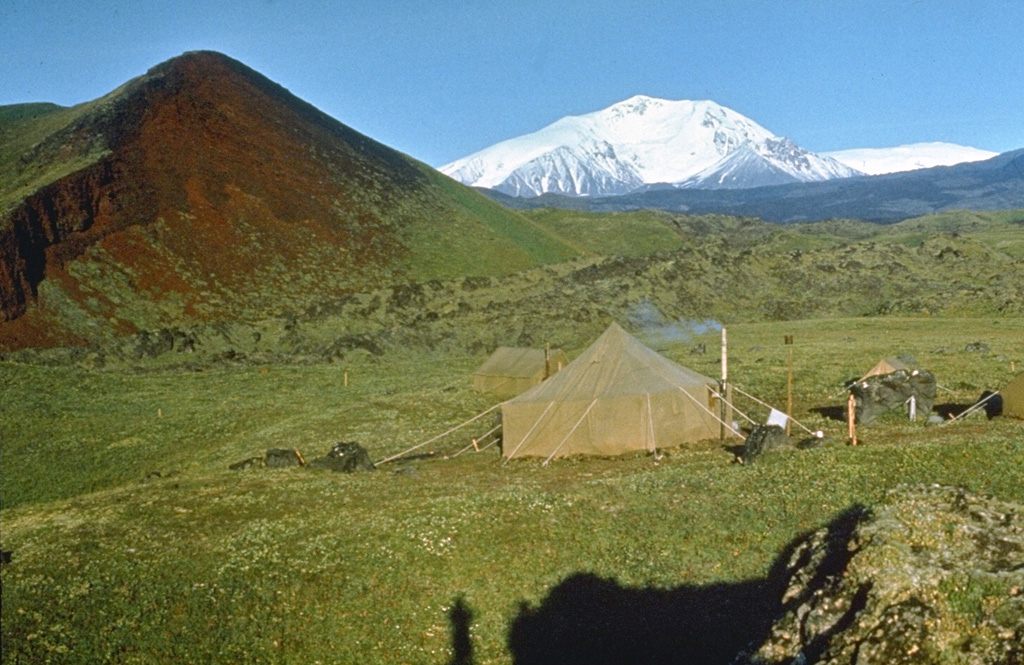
(58,223)
(936,575)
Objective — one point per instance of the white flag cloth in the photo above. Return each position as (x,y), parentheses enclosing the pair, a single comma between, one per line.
(777,418)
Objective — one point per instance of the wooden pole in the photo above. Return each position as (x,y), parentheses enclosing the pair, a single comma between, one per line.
(725,413)
(851,419)
(789,385)
(547,359)
(346,379)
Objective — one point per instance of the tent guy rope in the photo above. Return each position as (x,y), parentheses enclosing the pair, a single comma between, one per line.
(746,394)
(562,442)
(443,434)
(974,407)
(527,435)
(477,441)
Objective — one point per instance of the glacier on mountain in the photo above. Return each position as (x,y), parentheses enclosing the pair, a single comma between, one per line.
(641,142)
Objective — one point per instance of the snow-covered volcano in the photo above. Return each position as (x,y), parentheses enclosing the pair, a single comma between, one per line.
(644,141)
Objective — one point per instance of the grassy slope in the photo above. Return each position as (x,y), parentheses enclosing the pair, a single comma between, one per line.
(479,238)
(299,566)
(650,231)
(24,129)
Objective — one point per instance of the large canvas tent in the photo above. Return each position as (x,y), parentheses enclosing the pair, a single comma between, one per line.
(618,396)
(510,371)
(1013,397)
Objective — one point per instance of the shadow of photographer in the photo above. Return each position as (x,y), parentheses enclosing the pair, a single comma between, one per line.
(591,619)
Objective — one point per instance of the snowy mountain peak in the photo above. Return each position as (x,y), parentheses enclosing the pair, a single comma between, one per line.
(642,141)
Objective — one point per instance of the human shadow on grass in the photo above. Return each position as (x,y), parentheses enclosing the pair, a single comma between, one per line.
(461,617)
(591,619)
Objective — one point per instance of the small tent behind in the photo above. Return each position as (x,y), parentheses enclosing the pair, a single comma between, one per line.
(619,396)
(887,366)
(1013,397)
(510,371)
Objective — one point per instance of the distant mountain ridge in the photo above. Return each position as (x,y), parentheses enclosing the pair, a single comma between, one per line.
(203,191)
(992,184)
(640,142)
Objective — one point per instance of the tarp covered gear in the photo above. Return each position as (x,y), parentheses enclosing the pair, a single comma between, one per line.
(762,438)
(1013,397)
(876,394)
(344,456)
(510,371)
(619,396)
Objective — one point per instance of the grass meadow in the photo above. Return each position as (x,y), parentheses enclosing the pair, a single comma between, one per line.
(132,541)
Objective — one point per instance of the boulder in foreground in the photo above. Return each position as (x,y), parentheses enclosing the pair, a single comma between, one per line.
(934,576)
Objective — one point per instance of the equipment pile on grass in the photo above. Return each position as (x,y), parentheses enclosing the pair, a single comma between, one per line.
(275,458)
(344,456)
(768,437)
(880,393)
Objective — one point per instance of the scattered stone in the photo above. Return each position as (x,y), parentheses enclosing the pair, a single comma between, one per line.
(157,475)
(251,463)
(282,458)
(977,347)
(344,456)
(933,576)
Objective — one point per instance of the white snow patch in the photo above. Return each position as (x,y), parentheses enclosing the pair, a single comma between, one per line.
(876,161)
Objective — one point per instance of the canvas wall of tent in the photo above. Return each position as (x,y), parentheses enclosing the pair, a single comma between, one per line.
(617,397)
(510,371)
(1013,397)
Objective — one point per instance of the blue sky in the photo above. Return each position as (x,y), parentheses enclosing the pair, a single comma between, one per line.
(440,79)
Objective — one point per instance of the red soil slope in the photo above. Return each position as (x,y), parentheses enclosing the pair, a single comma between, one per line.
(217,185)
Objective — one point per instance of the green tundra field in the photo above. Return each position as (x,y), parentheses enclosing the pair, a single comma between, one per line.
(131,541)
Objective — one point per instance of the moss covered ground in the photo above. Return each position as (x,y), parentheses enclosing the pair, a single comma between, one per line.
(112,562)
